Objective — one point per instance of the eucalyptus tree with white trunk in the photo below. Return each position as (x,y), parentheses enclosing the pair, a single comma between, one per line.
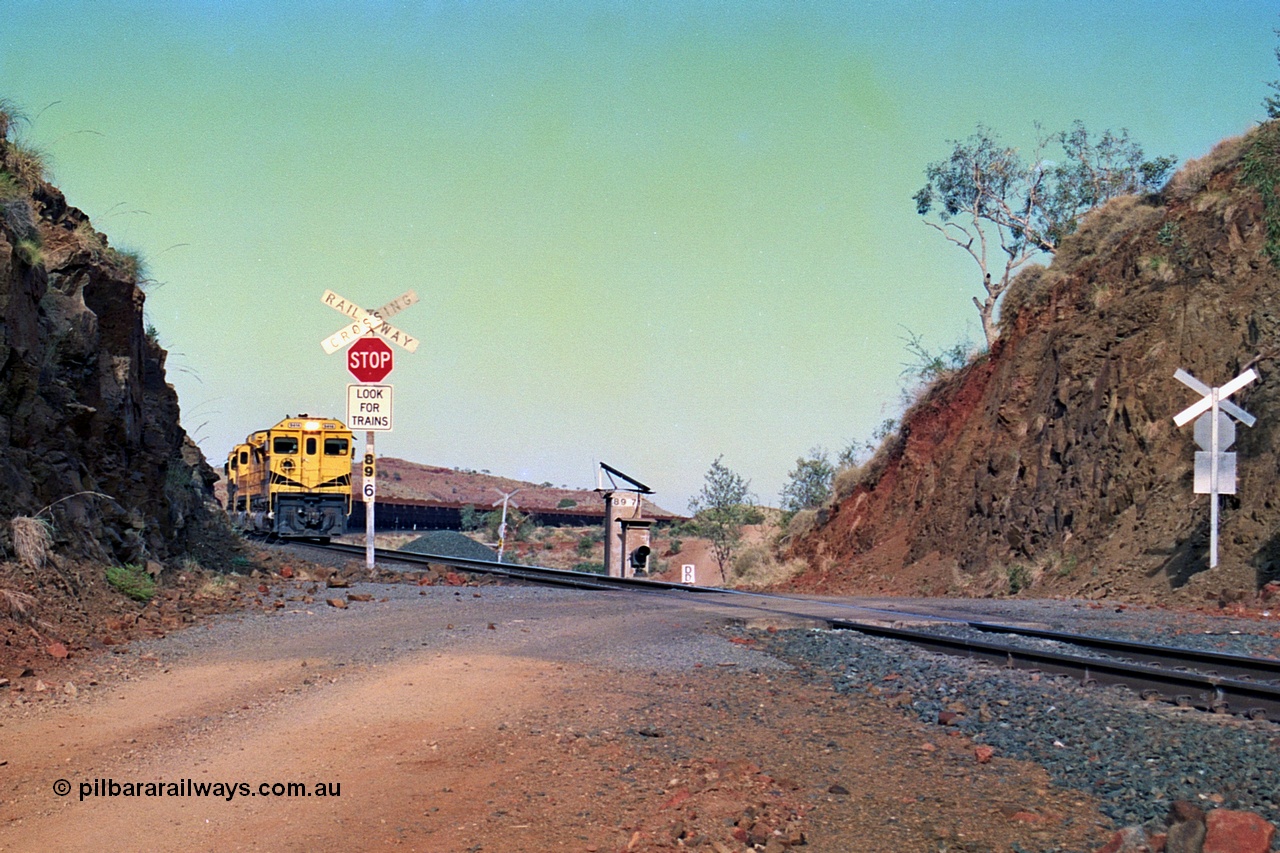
(1004,211)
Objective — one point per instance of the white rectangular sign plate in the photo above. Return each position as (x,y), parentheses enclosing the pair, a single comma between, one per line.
(1226,473)
(369,408)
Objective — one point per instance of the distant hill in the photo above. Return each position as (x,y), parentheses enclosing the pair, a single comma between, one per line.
(399,479)
(413,482)
(1052,463)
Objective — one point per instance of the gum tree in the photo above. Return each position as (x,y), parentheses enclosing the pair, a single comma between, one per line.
(720,510)
(809,484)
(1003,210)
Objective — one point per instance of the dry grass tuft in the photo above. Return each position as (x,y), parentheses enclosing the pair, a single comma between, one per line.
(26,163)
(1194,176)
(847,481)
(802,523)
(91,239)
(15,605)
(32,541)
(1104,228)
(756,567)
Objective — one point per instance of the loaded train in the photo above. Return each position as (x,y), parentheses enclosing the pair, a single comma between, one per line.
(292,480)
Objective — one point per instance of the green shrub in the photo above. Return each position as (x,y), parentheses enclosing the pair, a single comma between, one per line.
(131,265)
(9,188)
(133,581)
(1262,172)
(930,366)
(1068,566)
(29,252)
(1019,578)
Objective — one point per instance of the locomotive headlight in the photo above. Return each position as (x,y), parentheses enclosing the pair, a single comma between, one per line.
(311,426)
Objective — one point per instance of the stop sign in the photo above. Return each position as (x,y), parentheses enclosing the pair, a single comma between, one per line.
(369,359)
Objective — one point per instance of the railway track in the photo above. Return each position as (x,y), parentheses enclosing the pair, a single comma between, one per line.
(1210,681)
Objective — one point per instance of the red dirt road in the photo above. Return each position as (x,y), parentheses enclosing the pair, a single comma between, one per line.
(497,720)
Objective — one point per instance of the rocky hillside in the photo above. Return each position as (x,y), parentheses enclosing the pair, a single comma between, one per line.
(1052,463)
(90,442)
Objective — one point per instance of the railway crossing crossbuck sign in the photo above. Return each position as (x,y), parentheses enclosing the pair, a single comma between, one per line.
(363,322)
(369,360)
(1215,431)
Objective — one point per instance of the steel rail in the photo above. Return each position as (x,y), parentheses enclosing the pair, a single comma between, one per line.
(1201,690)
(1209,691)
(537,574)
(1229,665)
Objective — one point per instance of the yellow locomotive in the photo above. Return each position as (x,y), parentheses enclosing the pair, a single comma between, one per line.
(293,480)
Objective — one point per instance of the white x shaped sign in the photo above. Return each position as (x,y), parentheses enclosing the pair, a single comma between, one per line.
(364,322)
(1204,404)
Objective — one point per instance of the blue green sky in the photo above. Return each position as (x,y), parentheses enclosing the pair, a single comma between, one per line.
(644,233)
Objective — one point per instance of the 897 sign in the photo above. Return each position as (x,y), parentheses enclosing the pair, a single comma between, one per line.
(369,488)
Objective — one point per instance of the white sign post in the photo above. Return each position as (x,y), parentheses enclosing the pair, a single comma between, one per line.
(1215,469)
(368,406)
(688,574)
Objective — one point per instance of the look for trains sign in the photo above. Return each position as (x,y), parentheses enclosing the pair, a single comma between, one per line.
(369,407)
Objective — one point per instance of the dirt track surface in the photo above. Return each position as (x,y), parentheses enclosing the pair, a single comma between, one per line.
(499,719)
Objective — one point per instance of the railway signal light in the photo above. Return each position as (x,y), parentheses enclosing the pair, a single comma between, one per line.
(639,558)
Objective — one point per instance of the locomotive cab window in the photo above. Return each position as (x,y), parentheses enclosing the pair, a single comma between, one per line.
(286,444)
(335,447)
(311,445)
(244,458)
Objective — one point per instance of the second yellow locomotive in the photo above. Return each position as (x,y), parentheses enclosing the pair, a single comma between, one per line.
(292,480)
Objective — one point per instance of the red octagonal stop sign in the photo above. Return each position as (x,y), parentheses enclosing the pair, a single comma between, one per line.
(369,359)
